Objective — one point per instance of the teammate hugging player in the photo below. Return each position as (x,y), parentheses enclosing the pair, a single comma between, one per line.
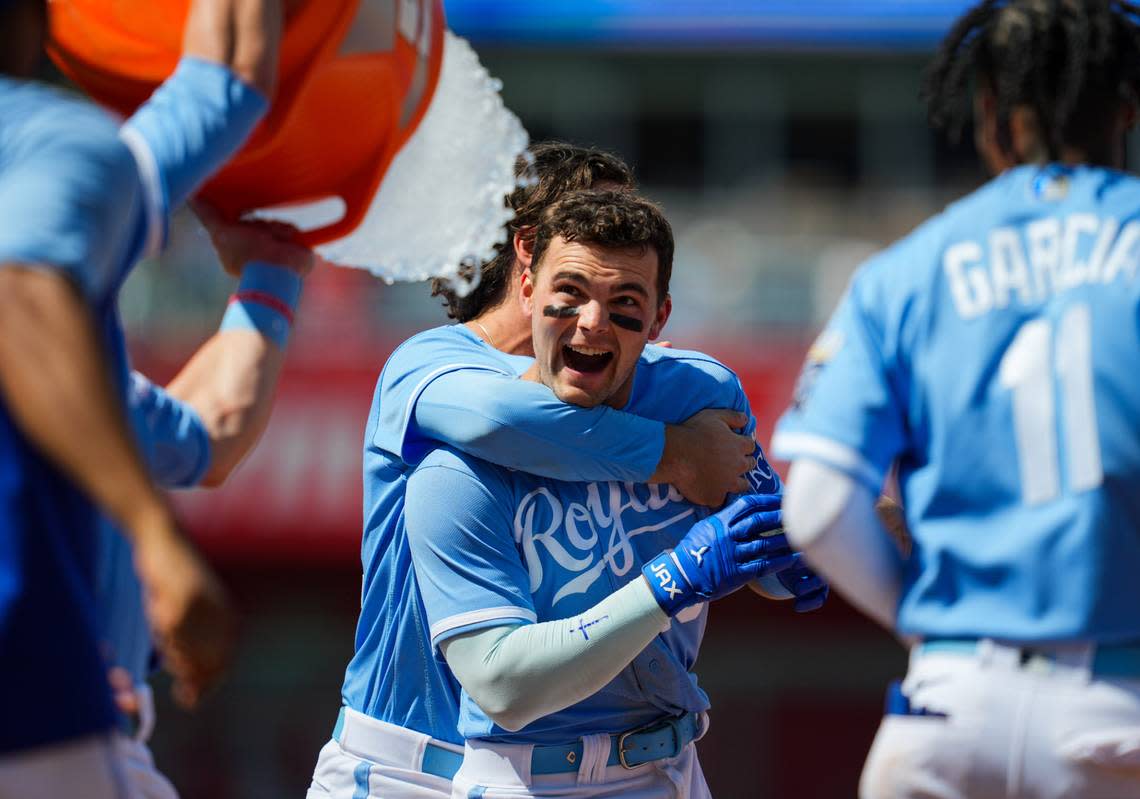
(992,354)
(551,600)
(397,734)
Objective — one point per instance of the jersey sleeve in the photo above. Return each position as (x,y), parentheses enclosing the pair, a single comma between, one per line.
(177,443)
(848,409)
(523,425)
(68,197)
(199,117)
(469,570)
(710,384)
(762,478)
(464,399)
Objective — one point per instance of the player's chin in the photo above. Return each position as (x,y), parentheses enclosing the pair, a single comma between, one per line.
(585,389)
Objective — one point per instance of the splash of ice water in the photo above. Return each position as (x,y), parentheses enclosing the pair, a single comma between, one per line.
(439,211)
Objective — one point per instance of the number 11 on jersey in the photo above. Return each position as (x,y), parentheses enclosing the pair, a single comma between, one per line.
(1035,361)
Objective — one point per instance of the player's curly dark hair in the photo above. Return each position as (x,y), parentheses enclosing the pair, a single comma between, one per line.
(612,219)
(558,168)
(1071,61)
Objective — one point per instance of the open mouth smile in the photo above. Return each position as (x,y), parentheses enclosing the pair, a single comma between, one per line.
(587,360)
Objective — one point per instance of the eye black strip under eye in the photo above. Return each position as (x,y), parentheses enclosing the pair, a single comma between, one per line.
(627,322)
(621,320)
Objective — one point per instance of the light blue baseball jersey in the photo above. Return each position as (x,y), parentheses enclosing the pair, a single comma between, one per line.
(494,546)
(69,195)
(993,354)
(192,123)
(446,385)
(83,197)
(177,447)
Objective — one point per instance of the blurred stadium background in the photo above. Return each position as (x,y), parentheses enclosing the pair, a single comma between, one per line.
(786,142)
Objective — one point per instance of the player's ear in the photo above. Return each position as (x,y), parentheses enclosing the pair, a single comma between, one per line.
(987,139)
(526,292)
(524,247)
(661,318)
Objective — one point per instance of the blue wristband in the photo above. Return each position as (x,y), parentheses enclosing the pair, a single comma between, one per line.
(668,584)
(276,281)
(264,301)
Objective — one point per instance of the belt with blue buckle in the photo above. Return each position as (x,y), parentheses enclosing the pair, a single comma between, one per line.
(659,739)
(1108,660)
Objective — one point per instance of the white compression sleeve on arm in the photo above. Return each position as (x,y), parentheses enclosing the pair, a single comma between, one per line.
(521,673)
(831,519)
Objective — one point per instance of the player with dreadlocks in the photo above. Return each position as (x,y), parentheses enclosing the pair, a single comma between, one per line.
(991,355)
(1053,79)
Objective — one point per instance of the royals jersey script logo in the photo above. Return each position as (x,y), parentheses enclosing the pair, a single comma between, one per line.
(582,536)
(586,538)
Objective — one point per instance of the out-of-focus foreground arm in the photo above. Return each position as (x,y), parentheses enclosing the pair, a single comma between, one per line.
(54,378)
(831,518)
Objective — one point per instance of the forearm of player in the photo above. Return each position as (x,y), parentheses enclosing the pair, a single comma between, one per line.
(522,425)
(705,457)
(831,518)
(242,35)
(518,674)
(53,373)
(231,381)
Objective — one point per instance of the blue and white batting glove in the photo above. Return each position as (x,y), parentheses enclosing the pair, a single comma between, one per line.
(720,554)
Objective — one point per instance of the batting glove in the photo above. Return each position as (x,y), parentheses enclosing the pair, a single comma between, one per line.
(807,588)
(720,554)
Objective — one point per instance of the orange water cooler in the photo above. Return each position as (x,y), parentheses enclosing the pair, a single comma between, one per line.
(355,78)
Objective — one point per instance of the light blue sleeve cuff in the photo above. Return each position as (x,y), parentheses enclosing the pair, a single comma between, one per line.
(175,440)
(478,620)
(791,445)
(193,123)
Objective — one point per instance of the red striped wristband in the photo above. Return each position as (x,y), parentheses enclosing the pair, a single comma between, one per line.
(263,298)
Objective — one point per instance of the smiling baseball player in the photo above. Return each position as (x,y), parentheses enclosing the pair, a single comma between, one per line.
(992,354)
(575,681)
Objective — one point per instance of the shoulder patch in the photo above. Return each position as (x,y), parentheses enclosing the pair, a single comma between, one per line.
(826,347)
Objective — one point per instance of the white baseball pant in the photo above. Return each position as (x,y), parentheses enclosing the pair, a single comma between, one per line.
(370,758)
(1004,722)
(146,780)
